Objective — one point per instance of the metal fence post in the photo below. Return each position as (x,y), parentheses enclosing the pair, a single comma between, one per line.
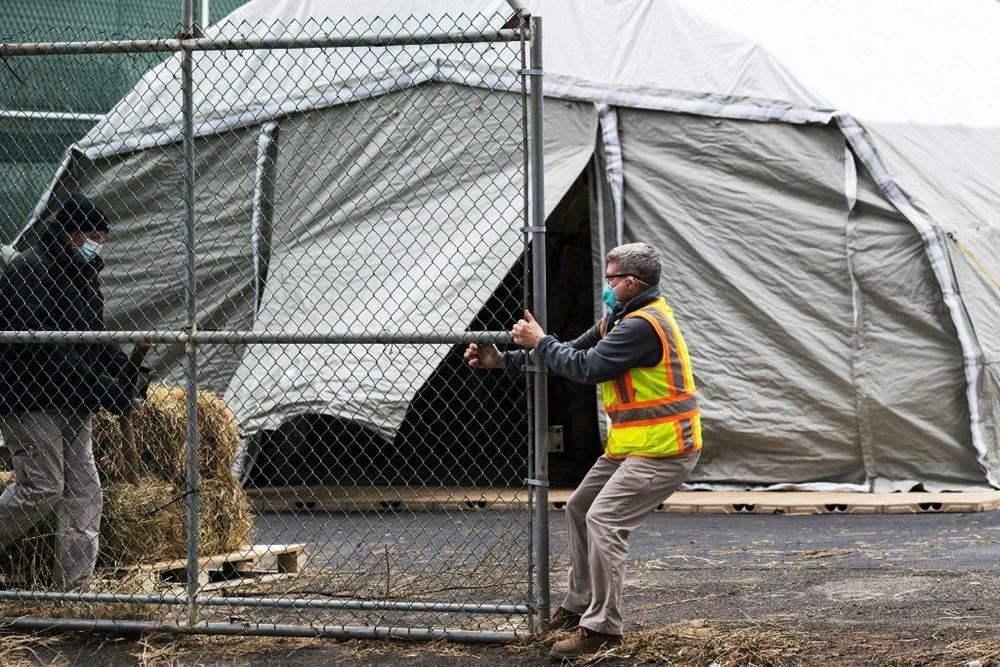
(191,308)
(540,385)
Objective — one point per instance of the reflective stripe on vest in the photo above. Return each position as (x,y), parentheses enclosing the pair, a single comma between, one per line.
(654,410)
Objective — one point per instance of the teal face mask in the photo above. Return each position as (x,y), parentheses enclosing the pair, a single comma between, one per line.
(608,297)
(89,251)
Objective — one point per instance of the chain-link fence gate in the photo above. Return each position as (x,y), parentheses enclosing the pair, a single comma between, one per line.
(309,219)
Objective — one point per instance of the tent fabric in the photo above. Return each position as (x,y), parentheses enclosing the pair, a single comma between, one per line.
(852,66)
(914,425)
(769,326)
(373,384)
(234,89)
(818,176)
(822,289)
(669,48)
(958,192)
(853,80)
(142,282)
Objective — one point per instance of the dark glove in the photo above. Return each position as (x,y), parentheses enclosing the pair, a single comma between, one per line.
(112,359)
(117,398)
(142,384)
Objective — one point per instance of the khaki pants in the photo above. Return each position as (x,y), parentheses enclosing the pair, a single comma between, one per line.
(55,474)
(613,500)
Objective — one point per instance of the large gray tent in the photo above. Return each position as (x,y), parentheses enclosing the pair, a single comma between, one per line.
(823,193)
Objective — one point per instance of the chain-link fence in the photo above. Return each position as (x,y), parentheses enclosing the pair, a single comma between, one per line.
(304,222)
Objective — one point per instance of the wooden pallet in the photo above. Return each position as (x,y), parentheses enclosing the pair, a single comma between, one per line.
(229,570)
(402,499)
(814,502)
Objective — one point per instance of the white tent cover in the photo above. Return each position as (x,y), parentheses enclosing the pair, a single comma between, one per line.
(820,177)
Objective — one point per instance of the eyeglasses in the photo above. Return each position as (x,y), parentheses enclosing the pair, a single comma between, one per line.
(609,276)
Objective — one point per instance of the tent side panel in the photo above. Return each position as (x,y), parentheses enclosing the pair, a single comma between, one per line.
(975,256)
(908,367)
(750,219)
(949,172)
(989,405)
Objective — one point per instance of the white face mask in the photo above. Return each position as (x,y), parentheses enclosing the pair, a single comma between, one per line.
(89,250)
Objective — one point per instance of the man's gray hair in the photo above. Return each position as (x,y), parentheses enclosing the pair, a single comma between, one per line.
(638,259)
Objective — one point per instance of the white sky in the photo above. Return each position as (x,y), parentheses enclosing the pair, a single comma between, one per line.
(930,61)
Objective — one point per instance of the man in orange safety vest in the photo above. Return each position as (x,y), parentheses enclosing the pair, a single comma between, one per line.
(637,356)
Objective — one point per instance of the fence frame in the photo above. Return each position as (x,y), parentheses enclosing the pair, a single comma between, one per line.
(187,43)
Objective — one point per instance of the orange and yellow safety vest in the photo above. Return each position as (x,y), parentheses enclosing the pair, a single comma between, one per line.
(654,410)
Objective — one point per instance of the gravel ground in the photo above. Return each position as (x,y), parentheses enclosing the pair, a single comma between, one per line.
(701,590)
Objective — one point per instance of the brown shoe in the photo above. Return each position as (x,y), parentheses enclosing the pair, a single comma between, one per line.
(582,642)
(563,619)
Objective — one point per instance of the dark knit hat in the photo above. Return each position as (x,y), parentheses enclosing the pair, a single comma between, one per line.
(79,214)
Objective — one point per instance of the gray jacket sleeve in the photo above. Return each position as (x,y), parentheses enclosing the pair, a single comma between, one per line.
(590,359)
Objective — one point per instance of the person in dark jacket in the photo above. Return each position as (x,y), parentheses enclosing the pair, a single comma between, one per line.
(638,358)
(50,390)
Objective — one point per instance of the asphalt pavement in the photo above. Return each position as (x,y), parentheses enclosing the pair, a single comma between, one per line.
(921,582)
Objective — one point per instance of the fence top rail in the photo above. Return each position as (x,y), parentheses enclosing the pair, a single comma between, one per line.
(51,115)
(256,42)
(270,337)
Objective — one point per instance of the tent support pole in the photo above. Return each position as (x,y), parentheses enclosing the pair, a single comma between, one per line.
(538,300)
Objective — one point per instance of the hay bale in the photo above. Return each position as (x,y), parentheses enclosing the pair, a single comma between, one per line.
(144,523)
(226,516)
(161,437)
(147,518)
(219,436)
(108,449)
(161,432)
